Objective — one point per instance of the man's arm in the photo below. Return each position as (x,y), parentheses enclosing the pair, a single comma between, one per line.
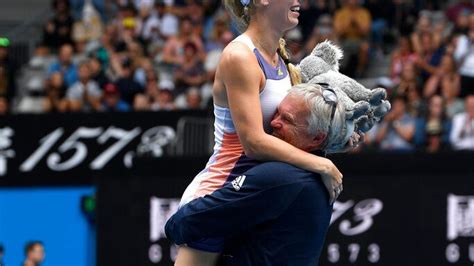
(262,195)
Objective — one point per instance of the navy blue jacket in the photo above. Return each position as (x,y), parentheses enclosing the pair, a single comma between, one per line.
(275,214)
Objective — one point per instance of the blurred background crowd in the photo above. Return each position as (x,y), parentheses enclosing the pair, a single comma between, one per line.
(150,55)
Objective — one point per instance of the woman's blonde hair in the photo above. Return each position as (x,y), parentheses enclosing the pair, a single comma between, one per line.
(241,15)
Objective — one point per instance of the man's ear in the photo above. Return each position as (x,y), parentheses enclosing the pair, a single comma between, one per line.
(318,140)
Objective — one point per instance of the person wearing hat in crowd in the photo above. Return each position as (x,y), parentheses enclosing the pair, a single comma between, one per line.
(112,102)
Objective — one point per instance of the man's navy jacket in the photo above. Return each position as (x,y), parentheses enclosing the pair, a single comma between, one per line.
(274,214)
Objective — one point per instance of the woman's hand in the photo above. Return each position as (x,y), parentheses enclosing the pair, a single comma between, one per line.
(332,179)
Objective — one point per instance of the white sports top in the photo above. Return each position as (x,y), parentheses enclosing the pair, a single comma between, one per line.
(228,160)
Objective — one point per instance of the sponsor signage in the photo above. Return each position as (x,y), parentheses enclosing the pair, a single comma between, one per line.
(384,217)
(74,147)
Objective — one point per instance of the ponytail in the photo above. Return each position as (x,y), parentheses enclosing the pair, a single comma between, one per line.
(295,74)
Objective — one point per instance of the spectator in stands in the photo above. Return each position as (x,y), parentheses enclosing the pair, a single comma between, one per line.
(193,99)
(111,101)
(220,28)
(125,17)
(432,131)
(87,29)
(464,55)
(65,65)
(352,25)
(77,7)
(310,13)
(98,72)
(416,104)
(462,133)
(4,107)
(173,52)
(55,94)
(169,22)
(126,84)
(190,73)
(144,69)
(156,97)
(403,54)
(57,31)
(461,22)
(381,13)
(294,45)
(195,11)
(8,70)
(34,253)
(445,73)
(429,56)
(408,80)
(165,100)
(85,94)
(458,8)
(149,24)
(442,29)
(423,26)
(145,101)
(323,30)
(404,17)
(108,43)
(214,55)
(453,104)
(5,89)
(396,131)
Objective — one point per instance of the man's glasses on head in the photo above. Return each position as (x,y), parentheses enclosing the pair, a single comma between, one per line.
(330,97)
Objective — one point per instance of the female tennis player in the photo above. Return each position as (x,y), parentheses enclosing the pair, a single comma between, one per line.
(252,78)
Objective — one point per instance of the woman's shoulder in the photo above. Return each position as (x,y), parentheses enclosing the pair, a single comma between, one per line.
(237,53)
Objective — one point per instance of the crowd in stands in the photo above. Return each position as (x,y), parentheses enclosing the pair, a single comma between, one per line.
(147,55)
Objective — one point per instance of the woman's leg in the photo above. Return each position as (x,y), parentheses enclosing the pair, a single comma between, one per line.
(192,257)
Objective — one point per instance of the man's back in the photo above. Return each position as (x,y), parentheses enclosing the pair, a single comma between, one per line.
(296,236)
(274,214)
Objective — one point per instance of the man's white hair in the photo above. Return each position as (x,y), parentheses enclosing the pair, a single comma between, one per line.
(319,119)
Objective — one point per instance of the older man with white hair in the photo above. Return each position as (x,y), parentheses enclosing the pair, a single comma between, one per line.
(275,213)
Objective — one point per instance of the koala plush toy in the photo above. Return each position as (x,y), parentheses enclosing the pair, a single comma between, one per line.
(364,107)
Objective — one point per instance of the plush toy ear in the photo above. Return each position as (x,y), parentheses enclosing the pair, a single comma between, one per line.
(330,53)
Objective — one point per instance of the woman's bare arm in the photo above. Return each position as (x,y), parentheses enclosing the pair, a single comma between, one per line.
(238,73)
